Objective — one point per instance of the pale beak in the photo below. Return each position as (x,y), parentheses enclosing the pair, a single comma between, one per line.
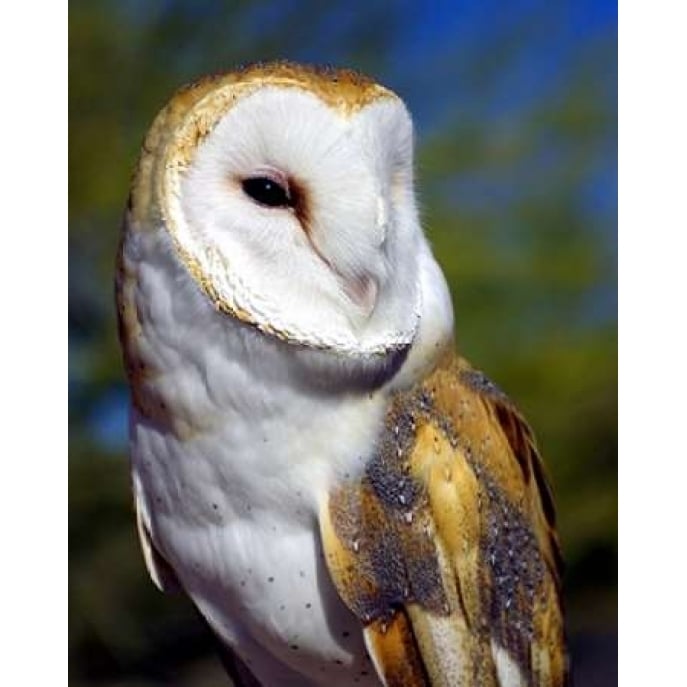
(363,292)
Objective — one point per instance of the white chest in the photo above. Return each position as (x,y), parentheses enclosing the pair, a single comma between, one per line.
(234,511)
(232,455)
(231,492)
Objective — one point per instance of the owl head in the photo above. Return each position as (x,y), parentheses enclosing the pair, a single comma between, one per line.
(287,193)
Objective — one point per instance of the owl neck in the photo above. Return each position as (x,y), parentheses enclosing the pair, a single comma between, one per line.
(197,373)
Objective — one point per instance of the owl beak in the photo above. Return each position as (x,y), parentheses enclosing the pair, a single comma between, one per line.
(363,292)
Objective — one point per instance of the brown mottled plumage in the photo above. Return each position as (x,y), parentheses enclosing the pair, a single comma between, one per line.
(448,544)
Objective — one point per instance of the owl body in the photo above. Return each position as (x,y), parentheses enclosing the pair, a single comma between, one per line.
(247,549)
(287,336)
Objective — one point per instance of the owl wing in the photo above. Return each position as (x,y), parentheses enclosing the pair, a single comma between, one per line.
(446,548)
(161,573)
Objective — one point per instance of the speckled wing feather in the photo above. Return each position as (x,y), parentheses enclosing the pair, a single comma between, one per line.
(446,549)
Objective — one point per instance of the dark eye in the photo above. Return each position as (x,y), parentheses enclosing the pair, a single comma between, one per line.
(266,191)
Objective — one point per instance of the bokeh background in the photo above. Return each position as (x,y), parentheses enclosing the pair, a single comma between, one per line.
(515,105)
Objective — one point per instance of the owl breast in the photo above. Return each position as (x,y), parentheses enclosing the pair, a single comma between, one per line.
(261,583)
(230,464)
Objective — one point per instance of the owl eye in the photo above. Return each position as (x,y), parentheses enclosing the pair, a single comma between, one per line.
(267,191)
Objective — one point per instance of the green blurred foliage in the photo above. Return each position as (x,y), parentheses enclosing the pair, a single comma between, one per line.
(531,268)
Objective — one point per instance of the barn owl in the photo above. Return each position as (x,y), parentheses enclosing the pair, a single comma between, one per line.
(344,499)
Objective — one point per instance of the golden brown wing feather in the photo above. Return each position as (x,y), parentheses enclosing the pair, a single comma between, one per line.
(446,548)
